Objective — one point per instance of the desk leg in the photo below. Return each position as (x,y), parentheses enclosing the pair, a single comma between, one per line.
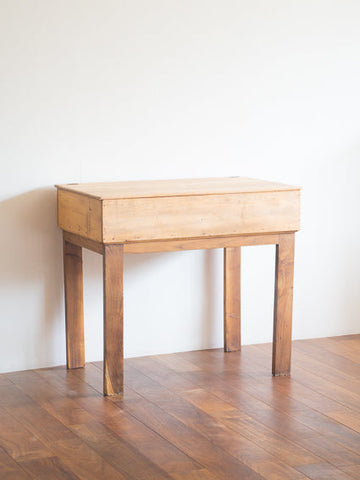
(284,272)
(74,307)
(232,306)
(113,319)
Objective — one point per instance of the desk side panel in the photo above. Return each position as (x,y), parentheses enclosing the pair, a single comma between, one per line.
(80,214)
(128,220)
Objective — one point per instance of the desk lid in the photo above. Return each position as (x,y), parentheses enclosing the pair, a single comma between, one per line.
(175,187)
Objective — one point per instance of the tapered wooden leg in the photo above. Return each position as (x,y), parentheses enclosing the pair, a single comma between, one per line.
(284,273)
(232,304)
(113,319)
(74,305)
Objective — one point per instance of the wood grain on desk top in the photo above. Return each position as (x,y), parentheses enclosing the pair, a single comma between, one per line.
(183,187)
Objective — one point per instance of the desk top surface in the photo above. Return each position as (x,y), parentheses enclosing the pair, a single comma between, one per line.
(173,188)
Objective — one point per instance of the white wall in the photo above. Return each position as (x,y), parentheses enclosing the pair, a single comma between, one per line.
(145,89)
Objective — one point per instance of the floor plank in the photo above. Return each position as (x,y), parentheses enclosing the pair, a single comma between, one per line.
(247,440)
(192,416)
(17,441)
(10,469)
(323,471)
(50,468)
(147,442)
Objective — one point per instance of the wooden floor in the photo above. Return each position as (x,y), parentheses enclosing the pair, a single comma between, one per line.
(192,416)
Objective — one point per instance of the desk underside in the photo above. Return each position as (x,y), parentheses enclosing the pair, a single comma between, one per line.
(155,246)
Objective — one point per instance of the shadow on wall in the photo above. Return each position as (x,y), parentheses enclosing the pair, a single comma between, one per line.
(31,272)
(31,283)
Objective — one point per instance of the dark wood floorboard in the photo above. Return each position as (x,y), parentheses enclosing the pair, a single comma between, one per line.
(192,416)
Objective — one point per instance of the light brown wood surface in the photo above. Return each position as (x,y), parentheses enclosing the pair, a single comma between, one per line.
(174,187)
(284,273)
(74,308)
(84,242)
(123,212)
(178,245)
(232,303)
(80,214)
(200,243)
(113,319)
(199,216)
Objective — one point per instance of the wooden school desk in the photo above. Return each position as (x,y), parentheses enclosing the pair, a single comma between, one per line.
(167,215)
